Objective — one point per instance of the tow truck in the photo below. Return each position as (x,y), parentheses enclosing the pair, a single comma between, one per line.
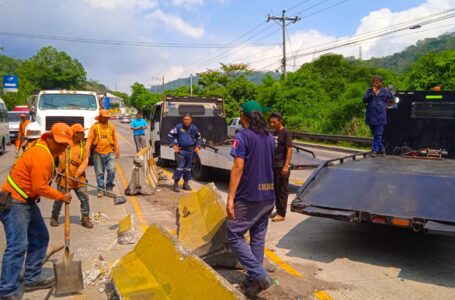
(412,187)
(209,116)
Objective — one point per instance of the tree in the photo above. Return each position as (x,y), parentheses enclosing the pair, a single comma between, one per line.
(141,98)
(53,69)
(433,70)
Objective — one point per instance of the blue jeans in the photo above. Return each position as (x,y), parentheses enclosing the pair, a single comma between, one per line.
(184,162)
(27,239)
(376,131)
(81,194)
(252,217)
(101,163)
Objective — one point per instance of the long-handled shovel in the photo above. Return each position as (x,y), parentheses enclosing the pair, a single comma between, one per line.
(118,199)
(68,273)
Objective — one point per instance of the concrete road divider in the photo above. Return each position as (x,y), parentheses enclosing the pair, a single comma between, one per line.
(126,230)
(145,176)
(201,221)
(159,268)
(201,226)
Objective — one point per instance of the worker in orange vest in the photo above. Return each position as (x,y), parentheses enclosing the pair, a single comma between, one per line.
(103,137)
(21,134)
(78,162)
(26,233)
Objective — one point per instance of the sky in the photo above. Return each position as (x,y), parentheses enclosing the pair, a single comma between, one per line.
(239,27)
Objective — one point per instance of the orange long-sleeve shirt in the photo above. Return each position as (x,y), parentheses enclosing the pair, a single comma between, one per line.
(108,142)
(77,165)
(32,173)
(22,126)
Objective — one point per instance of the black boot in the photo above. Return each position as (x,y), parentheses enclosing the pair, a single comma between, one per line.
(186,187)
(176,187)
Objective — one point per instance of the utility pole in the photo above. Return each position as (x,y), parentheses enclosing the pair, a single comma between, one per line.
(191,84)
(283,21)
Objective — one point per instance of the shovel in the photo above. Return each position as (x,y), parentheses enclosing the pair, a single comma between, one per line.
(118,199)
(68,273)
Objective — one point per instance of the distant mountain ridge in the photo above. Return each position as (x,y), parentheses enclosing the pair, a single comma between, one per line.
(399,62)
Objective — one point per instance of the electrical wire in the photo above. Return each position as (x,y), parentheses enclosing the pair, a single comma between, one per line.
(127,43)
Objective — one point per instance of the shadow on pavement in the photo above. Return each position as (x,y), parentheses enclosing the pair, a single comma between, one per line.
(421,258)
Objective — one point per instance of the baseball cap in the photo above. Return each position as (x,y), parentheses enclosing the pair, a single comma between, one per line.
(250,105)
(104,113)
(62,133)
(23,116)
(77,128)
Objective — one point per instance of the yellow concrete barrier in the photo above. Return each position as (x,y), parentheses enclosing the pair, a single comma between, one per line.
(201,221)
(158,268)
(150,168)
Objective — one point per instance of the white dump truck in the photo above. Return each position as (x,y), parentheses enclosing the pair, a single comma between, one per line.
(70,107)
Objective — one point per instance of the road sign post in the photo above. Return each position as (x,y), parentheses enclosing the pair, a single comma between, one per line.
(10,83)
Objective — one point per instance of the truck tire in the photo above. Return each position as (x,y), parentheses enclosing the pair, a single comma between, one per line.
(199,171)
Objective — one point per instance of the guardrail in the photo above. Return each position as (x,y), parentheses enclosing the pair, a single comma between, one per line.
(333,138)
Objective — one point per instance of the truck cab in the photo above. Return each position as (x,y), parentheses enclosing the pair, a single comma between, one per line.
(70,107)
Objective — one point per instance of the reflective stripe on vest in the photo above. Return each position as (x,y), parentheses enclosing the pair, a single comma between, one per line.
(18,188)
(108,133)
(80,154)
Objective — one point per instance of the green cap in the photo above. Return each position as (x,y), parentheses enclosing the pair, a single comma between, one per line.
(251,105)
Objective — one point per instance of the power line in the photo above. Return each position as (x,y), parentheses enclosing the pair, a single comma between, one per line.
(210,60)
(371,34)
(127,43)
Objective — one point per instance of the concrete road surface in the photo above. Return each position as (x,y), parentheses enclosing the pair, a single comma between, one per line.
(347,261)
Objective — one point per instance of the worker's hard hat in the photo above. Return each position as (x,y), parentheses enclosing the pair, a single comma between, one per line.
(23,116)
(62,133)
(77,128)
(104,113)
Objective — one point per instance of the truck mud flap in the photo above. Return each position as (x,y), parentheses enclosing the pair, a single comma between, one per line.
(432,227)
(342,215)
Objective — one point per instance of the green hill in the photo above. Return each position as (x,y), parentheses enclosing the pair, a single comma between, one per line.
(401,61)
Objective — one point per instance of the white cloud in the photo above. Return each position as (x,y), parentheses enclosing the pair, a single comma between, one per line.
(187,3)
(307,41)
(114,4)
(176,23)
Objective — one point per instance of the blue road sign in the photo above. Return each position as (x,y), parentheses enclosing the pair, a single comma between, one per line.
(10,83)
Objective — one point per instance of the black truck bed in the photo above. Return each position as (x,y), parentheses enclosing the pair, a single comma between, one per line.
(388,186)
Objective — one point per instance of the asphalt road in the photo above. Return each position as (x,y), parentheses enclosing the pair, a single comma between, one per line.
(356,261)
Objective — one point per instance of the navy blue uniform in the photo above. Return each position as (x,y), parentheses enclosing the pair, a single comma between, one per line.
(376,115)
(253,201)
(187,139)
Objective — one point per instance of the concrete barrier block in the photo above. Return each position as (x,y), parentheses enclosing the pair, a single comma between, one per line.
(158,268)
(201,221)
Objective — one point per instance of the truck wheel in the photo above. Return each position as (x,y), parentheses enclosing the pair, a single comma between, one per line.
(199,171)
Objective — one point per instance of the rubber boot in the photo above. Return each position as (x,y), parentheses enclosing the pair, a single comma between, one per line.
(186,187)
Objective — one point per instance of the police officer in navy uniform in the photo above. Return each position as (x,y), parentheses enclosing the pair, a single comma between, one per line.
(185,139)
(377,99)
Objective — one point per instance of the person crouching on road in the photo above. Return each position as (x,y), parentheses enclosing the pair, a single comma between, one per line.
(138,125)
(251,195)
(103,137)
(185,139)
(78,161)
(281,166)
(21,134)
(377,99)
(26,233)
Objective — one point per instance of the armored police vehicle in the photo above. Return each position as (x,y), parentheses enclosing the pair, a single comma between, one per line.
(412,187)
(209,116)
